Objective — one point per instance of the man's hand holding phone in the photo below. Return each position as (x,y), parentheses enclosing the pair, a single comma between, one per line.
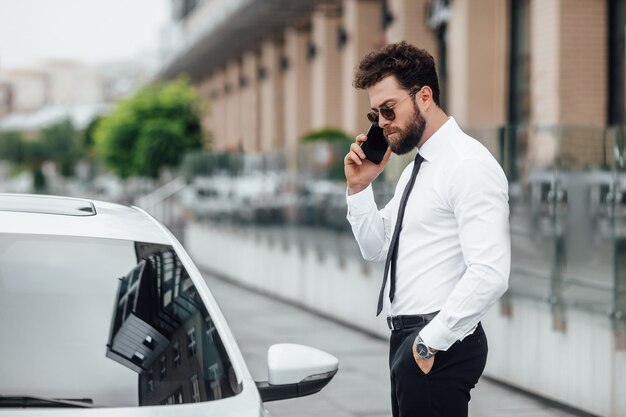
(359,169)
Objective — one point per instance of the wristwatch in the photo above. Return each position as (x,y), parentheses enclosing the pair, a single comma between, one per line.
(423,351)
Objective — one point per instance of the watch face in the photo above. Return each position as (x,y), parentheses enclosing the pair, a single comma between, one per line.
(422,350)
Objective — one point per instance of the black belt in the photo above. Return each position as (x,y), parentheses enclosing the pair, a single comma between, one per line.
(407,322)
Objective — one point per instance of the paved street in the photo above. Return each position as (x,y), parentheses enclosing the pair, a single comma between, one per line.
(360,388)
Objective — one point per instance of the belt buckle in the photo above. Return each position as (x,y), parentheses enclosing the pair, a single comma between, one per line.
(392,321)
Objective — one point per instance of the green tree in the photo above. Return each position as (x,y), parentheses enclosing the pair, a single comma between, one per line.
(150,130)
(327,134)
(60,143)
(330,142)
(34,154)
(12,147)
(88,141)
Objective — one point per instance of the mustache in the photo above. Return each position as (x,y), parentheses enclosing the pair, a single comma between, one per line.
(389,130)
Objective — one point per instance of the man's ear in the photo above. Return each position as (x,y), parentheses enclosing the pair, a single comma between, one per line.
(425,98)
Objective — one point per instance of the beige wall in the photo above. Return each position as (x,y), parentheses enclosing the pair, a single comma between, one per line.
(29,89)
(233,139)
(205,87)
(271,90)
(568,47)
(297,91)
(362,38)
(568,80)
(218,110)
(64,77)
(583,62)
(250,127)
(326,70)
(409,17)
(478,63)
(545,61)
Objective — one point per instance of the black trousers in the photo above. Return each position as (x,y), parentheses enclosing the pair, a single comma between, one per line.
(445,390)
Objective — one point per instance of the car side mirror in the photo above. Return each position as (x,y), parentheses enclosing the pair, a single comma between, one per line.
(296,371)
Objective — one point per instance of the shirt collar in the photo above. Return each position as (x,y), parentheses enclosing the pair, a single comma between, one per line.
(437,142)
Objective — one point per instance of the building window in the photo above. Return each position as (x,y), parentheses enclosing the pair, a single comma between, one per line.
(175,398)
(163,374)
(195,388)
(167,298)
(137,358)
(213,375)
(148,342)
(150,381)
(176,354)
(191,342)
(210,329)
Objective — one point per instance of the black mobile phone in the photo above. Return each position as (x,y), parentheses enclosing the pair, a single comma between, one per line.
(376,145)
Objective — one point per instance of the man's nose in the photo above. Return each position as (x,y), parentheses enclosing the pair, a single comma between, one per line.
(382,122)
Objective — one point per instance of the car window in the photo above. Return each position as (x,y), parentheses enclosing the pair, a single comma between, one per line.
(108,322)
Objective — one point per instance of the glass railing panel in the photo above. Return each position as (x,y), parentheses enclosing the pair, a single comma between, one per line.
(567,197)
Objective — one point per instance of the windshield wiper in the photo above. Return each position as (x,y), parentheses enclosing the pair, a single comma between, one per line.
(25,401)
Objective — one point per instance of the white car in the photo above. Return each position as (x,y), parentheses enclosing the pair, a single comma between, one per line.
(103,311)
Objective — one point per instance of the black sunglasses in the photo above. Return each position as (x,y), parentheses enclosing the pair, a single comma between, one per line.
(387,111)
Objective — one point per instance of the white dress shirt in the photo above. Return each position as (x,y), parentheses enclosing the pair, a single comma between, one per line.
(454,252)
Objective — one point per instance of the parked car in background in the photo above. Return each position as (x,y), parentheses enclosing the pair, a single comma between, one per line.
(103,311)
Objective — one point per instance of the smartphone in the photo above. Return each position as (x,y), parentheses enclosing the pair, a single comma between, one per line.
(376,145)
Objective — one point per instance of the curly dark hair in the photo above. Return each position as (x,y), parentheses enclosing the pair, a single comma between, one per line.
(413,67)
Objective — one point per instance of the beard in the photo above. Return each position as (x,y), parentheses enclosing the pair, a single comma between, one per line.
(408,138)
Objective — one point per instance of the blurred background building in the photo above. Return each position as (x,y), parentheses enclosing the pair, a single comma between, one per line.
(34,98)
(274,71)
(539,83)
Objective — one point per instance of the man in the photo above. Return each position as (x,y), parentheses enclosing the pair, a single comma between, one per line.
(450,259)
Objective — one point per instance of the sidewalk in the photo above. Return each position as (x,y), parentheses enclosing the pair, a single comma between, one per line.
(360,388)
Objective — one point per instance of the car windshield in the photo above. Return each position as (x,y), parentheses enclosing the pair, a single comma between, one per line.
(113,323)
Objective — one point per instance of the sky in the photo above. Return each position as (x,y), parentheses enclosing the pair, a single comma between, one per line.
(93,31)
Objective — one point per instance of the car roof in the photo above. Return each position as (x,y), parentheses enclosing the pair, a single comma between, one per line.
(66,216)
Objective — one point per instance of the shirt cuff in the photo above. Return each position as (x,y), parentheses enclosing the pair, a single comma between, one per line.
(436,335)
(361,203)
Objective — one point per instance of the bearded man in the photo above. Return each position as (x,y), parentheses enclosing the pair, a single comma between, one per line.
(444,235)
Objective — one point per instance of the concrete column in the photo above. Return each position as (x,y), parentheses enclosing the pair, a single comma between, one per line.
(361,39)
(326,69)
(409,24)
(271,99)
(233,106)
(297,92)
(205,87)
(218,110)
(250,108)
(478,33)
(569,62)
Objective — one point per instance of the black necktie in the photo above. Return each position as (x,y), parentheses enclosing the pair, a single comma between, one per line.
(393,246)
